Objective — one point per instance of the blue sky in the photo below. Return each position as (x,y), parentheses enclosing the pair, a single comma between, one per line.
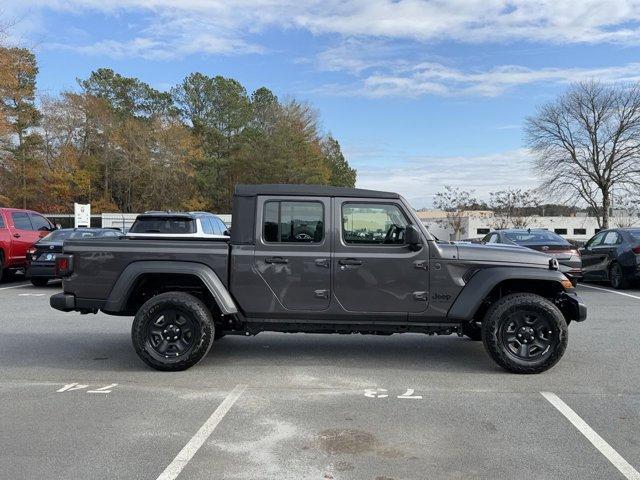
(419,93)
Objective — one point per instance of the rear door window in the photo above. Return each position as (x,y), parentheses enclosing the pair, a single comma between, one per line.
(611,238)
(1,221)
(21,221)
(293,222)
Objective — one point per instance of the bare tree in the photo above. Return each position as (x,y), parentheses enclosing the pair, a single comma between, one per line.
(587,142)
(455,202)
(510,207)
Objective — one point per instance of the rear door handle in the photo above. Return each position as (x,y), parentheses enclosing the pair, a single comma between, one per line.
(350,261)
(276,260)
(322,262)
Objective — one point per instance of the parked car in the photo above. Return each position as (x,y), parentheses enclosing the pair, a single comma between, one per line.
(19,229)
(544,241)
(614,256)
(298,261)
(179,225)
(41,257)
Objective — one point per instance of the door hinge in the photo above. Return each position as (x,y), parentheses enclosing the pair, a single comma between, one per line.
(422,296)
(321,294)
(423,264)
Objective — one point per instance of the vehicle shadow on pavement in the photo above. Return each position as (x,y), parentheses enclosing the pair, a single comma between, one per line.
(107,351)
(400,351)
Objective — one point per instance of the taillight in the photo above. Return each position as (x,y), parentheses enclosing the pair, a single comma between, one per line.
(636,250)
(64,265)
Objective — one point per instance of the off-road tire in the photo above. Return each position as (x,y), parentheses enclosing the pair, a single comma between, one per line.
(520,308)
(39,281)
(616,277)
(189,309)
(472,331)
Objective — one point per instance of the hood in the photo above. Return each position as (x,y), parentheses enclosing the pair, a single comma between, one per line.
(499,253)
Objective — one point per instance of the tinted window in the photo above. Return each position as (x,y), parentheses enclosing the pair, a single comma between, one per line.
(206,226)
(1,221)
(535,237)
(21,221)
(60,235)
(595,241)
(166,224)
(39,222)
(293,222)
(560,231)
(373,224)
(579,231)
(482,231)
(611,238)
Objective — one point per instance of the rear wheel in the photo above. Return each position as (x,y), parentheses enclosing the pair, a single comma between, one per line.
(525,333)
(172,331)
(616,277)
(39,281)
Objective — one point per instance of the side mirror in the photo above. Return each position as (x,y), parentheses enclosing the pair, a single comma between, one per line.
(412,237)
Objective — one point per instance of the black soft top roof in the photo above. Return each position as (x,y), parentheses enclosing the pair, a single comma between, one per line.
(309,190)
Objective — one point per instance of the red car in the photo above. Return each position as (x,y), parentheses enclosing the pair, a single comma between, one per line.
(19,229)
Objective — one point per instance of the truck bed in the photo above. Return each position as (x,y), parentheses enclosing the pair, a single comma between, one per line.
(98,263)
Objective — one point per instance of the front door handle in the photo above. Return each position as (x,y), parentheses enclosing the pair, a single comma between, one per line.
(276,260)
(350,261)
(16,235)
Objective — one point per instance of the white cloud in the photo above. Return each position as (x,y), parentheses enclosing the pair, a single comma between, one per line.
(420,178)
(438,79)
(173,28)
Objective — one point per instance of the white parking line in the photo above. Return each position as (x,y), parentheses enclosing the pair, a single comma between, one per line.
(201,436)
(605,449)
(15,286)
(610,291)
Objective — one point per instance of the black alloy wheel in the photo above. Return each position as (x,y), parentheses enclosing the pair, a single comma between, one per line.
(525,333)
(172,331)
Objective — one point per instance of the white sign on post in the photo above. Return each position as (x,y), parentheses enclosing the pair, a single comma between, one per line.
(82,215)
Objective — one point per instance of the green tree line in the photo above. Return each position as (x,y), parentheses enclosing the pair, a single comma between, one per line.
(121,145)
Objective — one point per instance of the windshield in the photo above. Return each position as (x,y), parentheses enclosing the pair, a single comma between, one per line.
(177,225)
(635,234)
(532,238)
(59,235)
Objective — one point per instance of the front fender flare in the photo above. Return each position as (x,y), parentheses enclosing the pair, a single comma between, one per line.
(481,284)
(117,300)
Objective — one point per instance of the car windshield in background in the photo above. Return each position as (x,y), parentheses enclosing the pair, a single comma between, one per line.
(533,238)
(635,234)
(59,235)
(176,225)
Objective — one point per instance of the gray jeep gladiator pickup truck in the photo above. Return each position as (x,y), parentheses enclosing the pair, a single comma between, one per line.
(318,259)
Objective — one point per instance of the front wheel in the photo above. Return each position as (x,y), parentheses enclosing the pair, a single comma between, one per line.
(172,331)
(525,333)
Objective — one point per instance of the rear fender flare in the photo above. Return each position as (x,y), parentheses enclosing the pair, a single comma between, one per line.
(117,300)
(481,284)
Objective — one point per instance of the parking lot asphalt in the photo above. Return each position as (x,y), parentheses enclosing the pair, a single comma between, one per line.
(77,403)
